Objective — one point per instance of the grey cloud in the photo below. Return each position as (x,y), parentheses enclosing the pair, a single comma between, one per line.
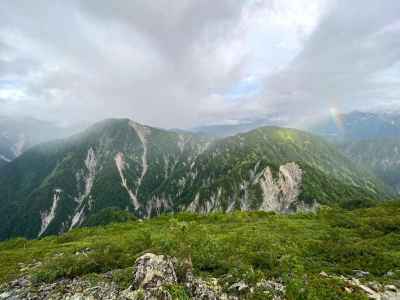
(339,60)
(168,63)
(149,60)
(173,26)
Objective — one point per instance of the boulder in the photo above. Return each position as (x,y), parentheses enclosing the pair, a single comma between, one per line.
(151,274)
(153,271)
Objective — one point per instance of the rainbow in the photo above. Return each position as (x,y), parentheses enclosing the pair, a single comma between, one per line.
(337,118)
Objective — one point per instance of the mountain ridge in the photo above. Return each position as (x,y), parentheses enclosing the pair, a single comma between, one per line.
(55,186)
(357,125)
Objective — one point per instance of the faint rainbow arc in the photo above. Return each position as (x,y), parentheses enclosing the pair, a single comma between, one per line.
(337,118)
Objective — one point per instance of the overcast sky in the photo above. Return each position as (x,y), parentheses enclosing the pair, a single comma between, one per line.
(190,62)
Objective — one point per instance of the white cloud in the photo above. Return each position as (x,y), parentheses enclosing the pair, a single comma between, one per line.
(188,62)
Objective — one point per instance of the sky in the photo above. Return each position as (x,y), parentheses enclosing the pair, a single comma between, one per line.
(188,63)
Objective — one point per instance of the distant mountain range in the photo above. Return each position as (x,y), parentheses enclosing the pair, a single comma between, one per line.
(351,126)
(225,130)
(372,140)
(57,185)
(359,126)
(19,134)
(380,155)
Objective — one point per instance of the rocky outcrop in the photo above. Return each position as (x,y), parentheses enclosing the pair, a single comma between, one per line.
(154,274)
(65,289)
(373,290)
(148,294)
(153,271)
(159,277)
(280,195)
(200,289)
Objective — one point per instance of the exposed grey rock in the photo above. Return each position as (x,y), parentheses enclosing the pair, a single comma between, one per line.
(152,277)
(323,274)
(158,293)
(64,289)
(201,290)
(20,282)
(375,286)
(391,292)
(391,288)
(389,274)
(279,195)
(152,271)
(84,252)
(5,295)
(239,287)
(272,285)
(370,292)
(360,273)
(373,290)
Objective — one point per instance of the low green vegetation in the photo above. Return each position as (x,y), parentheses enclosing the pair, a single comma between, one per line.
(108,216)
(245,246)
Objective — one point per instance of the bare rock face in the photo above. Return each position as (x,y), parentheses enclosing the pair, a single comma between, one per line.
(153,271)
(279,195)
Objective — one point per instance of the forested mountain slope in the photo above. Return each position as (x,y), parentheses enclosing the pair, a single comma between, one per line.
(56,186)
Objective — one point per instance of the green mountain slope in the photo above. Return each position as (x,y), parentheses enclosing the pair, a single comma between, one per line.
(118,163)
(53,187)
(380,155)
(271,169)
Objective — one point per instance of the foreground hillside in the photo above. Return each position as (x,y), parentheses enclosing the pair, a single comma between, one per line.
(57,186)
(240,247)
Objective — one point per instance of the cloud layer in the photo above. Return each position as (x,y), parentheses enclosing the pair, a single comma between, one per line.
(184,63)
